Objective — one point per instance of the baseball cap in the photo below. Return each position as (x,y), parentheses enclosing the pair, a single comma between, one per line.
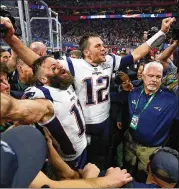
(23,153)
(165,165)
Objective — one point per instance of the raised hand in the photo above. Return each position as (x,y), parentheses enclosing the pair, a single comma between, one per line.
(166,24)
(5,22)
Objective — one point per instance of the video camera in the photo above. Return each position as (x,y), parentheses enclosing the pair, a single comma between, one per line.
(3,29)
(152,31)
(173,33)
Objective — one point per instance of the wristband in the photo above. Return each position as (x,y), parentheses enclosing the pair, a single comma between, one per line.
(156,40)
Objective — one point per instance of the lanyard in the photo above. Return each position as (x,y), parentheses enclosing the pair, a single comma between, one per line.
(146,105)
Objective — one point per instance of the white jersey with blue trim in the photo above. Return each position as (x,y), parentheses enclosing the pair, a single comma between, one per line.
(92,85)
(67,125)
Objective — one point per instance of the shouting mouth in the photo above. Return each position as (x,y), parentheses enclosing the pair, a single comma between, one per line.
(63,72)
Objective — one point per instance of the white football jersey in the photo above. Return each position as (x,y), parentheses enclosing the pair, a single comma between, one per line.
(67,124)
(92,86)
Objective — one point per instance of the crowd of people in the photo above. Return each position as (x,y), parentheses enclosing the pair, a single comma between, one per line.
(94,109)
(113,7)
(72,31)
(99,2)
(130,35)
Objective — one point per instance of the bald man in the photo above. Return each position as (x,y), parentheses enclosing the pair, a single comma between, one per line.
(39,48)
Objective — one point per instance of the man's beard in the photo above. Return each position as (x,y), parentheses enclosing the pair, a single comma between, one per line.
(152,89)
(60,83)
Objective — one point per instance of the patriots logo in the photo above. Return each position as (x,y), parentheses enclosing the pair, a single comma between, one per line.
(133,101)
(6,148)
(28,95)
(158,108)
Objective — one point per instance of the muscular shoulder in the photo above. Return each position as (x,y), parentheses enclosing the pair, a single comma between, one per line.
(114,60)
(110,58)
(6,104)
(49,107)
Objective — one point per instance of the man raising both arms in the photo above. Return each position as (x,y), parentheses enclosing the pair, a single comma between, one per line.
(92,76)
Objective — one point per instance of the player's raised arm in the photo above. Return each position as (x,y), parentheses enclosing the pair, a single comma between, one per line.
(154,41)
(25,111)
(26,54)
(168,51)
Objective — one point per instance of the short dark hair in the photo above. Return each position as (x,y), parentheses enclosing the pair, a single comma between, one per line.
(84,41)
(4,69)
(3,50)
(141,64)
(37,64)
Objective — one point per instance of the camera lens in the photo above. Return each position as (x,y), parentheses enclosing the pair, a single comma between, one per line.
(3,30)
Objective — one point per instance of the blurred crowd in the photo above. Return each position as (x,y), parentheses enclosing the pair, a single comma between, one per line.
(130,35)
(125,32)
(98,2)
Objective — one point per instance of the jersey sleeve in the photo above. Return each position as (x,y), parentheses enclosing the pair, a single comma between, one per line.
(114,60)
(126,61)
(32,93)
(121,62)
